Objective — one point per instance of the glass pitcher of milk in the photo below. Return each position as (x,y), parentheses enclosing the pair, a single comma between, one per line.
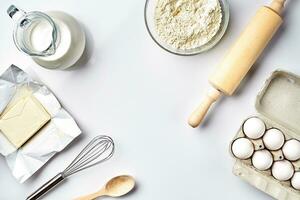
(54,39)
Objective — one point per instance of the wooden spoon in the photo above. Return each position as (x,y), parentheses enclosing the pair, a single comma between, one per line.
(116,187)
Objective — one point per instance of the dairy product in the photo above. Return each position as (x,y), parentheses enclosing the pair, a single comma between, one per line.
(41,38)
(54,39)
(20,121)
(53,137)
(69,45)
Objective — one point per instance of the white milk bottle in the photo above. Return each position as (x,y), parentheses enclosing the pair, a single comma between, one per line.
(54,40)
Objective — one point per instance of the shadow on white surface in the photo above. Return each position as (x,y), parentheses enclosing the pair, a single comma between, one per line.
(88,51)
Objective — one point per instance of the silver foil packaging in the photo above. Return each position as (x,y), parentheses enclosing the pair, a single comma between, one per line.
(50,139)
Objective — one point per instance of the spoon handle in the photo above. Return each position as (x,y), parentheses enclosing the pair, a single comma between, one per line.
(91,196)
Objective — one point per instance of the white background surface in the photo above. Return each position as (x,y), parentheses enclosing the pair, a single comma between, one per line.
(129,88)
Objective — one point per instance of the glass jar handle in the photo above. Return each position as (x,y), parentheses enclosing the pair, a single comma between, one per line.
(15,13)
(23,22)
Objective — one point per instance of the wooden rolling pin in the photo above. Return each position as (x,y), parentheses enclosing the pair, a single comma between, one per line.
(241,57)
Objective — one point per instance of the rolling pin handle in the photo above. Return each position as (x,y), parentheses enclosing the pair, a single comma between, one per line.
(200,112)
(277,5)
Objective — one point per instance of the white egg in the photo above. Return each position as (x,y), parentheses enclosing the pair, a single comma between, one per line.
(273,139)
(242,148)
(282,170)
(254,128)
(296,181)
(262,160)
(291,150)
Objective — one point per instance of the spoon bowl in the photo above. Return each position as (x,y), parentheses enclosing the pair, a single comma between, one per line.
(119,186)
(115,187)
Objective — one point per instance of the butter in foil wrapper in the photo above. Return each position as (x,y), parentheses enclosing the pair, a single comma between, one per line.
(53,137)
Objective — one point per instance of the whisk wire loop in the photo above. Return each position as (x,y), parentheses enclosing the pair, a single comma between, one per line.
(100,149)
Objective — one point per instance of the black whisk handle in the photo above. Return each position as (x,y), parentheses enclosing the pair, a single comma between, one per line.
(46,187)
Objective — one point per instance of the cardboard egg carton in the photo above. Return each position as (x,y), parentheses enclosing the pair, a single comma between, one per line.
(278,105)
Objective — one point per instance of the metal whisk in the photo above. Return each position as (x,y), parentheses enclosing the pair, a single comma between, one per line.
(100,149)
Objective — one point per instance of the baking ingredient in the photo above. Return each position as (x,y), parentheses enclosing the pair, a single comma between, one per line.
(254,128)
(69,45)
(241,57)
(116,187)
(242,148)
(273,139)
(53,138)
(295,182)
(41,38)
(291,150)
(23,119)
(282,170)
(21,93)
(53,39)
(98,150)
(262,160)
(186,24)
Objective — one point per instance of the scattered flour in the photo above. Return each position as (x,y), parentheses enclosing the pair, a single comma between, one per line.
(187,24)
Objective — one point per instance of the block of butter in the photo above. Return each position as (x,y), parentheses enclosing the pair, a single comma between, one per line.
(28,137)
(22,119)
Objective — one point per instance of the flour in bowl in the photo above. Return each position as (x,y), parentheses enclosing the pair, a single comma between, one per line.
(187,24)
